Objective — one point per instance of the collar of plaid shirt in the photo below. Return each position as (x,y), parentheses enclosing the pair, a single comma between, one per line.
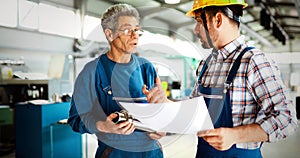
(230,48)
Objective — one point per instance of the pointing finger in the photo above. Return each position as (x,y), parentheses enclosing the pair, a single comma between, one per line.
(144,90)
(157,81)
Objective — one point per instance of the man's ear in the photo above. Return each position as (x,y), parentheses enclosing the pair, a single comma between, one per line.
(218,19)
(109,35)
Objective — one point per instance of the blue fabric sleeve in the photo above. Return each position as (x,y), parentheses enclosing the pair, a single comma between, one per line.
(75,122)
(85,108)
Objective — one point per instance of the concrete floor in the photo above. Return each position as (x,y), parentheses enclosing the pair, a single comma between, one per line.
(184,146)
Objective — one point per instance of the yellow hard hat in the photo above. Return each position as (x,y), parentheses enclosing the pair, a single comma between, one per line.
(198,4)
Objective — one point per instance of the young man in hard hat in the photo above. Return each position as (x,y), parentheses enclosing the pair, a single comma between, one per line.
(242,88)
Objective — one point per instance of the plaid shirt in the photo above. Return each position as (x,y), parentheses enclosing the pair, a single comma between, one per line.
(258,94)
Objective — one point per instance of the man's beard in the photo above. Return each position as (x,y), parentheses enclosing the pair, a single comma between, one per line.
(205,44)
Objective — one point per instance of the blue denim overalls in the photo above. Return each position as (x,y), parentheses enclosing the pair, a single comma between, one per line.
(219,107)
(135,145)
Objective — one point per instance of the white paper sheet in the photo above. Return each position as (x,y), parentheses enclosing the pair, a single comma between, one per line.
(182,117)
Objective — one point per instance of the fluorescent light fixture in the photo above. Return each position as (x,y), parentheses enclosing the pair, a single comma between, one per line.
(172,1)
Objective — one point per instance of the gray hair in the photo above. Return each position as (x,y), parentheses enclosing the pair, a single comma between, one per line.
(110,17)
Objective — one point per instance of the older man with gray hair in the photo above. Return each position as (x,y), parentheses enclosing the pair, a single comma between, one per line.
(117,75)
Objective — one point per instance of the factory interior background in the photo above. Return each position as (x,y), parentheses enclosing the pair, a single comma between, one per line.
(44,44)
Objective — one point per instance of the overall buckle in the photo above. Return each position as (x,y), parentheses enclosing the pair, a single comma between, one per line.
(226,86)
(107,90)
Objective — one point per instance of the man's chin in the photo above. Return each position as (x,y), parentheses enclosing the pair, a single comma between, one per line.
(130,52)
(205,46)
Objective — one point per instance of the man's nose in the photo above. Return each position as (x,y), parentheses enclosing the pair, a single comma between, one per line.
(196,29)
(134,34)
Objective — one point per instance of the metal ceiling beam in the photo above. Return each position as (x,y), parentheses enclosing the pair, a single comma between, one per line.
(249,22)
(255,35)
(252,33)
(285,16)
(287,25)
(265,33)
(263,5)
(280,4)
(153,12)
(294,32)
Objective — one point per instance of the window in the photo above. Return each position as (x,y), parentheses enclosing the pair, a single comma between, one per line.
(8,13)
(28,14)
(57,21)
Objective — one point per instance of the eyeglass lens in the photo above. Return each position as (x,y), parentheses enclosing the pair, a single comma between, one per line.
(129,32)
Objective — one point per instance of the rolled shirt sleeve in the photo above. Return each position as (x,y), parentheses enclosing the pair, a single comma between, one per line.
(276,113)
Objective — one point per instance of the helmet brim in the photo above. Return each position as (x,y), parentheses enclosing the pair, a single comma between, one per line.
(191,13)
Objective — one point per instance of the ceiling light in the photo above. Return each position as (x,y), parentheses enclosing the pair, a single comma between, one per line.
(172,1)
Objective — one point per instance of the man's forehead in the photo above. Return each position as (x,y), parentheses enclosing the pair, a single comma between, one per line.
(126,24)
(127,21)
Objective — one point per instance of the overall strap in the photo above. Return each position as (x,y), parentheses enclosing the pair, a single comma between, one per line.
(141,64)
(204,67)
(235,68)
(103,77)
